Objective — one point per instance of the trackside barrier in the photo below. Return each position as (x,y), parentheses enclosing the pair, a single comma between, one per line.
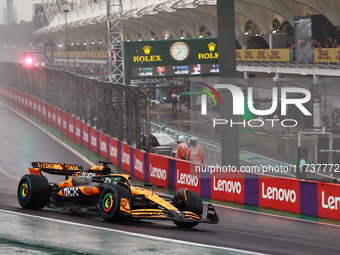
(308,197)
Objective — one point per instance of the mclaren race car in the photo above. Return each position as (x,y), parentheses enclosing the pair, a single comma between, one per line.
(112,195)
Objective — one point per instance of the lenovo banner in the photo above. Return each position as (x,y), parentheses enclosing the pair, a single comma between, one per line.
(39,109)
(158,170)
(113,147)
(280,193)
(30,105)
(6,92)
(49,114)
(138,164)
(71,128)
(126,163)
(65,124)
(94,140)
(228,188)
(59,120)
(11,93)
(329,200)
(15,96)
(86,135)
(27,107)
(35,107)
(78,131)
(23,102)
(186,177)
(54,116)
(20,101)
(3,91)
(44,112)
(103,145)
(23,106)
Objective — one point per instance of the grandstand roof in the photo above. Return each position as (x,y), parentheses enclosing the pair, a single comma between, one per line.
(160,19)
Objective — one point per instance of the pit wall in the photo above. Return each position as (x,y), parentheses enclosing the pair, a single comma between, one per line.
(307,197)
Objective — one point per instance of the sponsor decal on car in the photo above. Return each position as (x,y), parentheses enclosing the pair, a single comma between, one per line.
(71,191)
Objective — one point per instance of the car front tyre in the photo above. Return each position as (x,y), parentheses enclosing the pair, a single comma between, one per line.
(189,201)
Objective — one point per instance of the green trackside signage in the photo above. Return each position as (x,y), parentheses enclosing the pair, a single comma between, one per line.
(170,58)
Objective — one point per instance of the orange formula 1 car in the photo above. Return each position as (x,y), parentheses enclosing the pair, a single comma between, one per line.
(112,195)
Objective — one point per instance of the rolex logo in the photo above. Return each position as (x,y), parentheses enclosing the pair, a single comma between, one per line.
(211,46)
(147,49)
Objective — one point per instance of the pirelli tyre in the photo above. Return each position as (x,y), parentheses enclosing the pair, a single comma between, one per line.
(188,201)
(115,203)
(33,191)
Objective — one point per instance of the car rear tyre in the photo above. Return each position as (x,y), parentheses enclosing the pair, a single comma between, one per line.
(110,203)
(33,191)
(189,201)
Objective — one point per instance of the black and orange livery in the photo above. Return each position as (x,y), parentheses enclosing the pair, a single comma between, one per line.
(112,195)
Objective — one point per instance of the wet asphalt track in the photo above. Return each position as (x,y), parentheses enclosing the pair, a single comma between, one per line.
(22,143)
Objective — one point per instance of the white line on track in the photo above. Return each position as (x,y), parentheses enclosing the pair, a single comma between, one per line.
(91,163)
(134,234)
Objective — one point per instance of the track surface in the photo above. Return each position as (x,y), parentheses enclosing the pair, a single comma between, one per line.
(22,143)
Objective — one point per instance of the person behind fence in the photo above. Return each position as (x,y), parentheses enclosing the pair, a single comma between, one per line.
(174,101)
(182,149)
(179,102)
(196,152)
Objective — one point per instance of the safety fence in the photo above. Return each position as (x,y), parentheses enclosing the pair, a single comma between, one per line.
(117,110)
(212,150)
(307,197)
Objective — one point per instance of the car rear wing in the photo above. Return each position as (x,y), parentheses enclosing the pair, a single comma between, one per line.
(56,168)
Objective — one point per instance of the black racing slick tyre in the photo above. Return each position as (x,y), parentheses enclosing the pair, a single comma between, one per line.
(33,191)
(111,202)
(189,201)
